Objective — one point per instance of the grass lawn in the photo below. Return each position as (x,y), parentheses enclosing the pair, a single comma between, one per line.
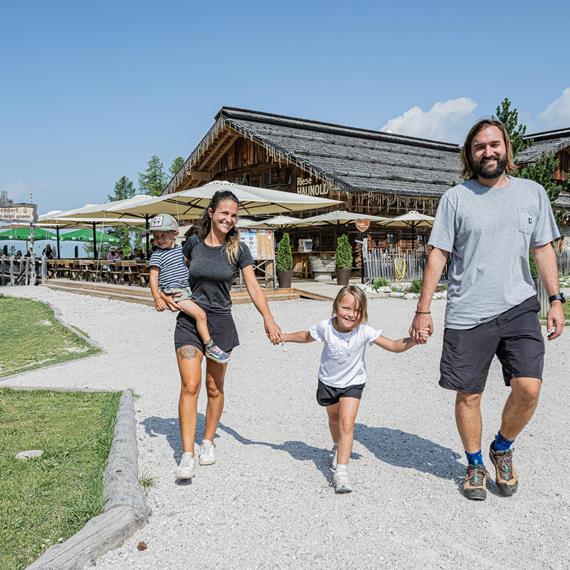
(45,500)
(31,337)
(567,309)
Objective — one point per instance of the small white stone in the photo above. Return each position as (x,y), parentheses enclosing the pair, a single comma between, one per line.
(29,454)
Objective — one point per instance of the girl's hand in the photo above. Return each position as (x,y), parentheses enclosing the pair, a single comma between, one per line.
(422,328)
(159,304)
(273,332)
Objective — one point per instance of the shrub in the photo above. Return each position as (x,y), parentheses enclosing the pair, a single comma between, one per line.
(284,258)
(343,256)
(380,282)
(416,286)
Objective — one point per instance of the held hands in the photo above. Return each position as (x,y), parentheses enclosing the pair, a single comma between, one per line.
(273,331)
(421,328)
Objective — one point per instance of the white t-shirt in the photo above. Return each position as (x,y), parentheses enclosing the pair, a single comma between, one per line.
(342,359)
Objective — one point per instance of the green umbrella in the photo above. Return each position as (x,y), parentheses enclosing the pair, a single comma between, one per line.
(87,235)
(23,234)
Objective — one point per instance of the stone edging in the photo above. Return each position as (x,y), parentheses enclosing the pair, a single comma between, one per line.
(125,507)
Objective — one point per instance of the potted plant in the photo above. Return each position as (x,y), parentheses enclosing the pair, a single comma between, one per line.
(343,260)
(284,262)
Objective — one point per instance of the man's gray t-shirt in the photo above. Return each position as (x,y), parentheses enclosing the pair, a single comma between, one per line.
(488,232)
(211,274)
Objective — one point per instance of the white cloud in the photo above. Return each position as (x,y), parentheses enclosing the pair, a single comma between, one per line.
(556,115)
(447,121)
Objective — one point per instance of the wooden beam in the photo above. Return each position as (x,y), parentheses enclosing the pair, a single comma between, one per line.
(203,175)
(219,150)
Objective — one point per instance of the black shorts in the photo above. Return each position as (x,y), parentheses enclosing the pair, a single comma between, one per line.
(328,395)
(515,337)
(221,327)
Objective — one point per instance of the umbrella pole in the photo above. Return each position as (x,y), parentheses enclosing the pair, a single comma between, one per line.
(147,238)
(57,234)
(95,256)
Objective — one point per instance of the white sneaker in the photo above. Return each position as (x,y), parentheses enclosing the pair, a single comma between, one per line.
(185,469)
(342,482)
(207,455)
(333,457)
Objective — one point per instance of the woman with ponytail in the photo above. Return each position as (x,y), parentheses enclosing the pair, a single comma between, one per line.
(215,255)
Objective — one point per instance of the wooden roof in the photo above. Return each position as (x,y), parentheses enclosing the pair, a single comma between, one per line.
(350,158)
(550,142)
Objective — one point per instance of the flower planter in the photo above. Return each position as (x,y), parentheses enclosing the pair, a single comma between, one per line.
(322,268)
(342,275)
(284,278)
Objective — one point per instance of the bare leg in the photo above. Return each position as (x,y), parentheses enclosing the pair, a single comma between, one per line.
(332,412)
(348,408)
(520,406)
(193,310)
(469,421)
(215,374)
(189,360)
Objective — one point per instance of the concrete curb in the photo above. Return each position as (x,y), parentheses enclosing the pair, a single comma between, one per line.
(125,507)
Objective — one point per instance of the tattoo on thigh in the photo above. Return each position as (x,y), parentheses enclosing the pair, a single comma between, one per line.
(188,352)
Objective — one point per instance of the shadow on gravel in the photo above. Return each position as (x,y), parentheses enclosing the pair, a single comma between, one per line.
(411,451)
(156,426)
(298,450)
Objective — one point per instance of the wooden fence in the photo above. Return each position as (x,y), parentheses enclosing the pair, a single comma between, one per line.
(21,270)
(394,265)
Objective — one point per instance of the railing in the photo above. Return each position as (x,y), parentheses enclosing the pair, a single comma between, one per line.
(564,263)
(20,270)
(394,265)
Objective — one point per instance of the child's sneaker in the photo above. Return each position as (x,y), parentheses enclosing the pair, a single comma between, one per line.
(207,456)
(333,457)
(214,352)
(185,469)
(341,481)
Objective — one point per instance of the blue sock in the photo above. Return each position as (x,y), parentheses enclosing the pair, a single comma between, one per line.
(501,443)
(475,458)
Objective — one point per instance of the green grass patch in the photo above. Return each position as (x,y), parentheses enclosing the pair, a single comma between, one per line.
(48,499)
(31,337)
(567,310)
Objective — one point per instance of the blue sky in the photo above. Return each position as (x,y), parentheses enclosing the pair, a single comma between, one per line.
(89,91)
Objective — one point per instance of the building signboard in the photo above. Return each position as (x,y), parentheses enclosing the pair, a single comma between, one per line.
(27,213)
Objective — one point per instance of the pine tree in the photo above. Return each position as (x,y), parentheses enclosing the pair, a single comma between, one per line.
(176,165)
(510,118)
(153,180)
(124,189)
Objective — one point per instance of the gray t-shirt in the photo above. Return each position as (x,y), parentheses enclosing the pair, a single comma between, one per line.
(211,274)
(488,232)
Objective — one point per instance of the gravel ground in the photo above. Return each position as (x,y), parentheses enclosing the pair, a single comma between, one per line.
(268,503)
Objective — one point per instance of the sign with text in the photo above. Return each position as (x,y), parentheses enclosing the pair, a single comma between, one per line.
(362,225)
(308,188)
(27,213)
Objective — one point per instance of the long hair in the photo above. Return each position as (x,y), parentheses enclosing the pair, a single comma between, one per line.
(232,245)
(359,297)
(469,167)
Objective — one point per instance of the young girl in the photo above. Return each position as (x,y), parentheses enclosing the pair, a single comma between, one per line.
(342,372)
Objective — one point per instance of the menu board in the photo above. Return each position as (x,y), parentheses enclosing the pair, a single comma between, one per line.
(261,243)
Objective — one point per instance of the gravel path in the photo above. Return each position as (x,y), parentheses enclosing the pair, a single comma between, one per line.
(267,503)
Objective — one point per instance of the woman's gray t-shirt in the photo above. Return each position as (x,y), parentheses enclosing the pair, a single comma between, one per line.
(489,232)
(211,274)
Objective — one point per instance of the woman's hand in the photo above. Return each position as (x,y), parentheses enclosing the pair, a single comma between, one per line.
(273,331)
(170,302)
(159,304)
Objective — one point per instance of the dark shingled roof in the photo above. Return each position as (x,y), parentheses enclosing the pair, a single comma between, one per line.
(549,142)
(356,159)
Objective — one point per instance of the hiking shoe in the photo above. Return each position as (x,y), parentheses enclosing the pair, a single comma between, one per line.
(207,456)
(475,484)
(333,457)
(506,477)
(185,469)
(342,482)
(215,353)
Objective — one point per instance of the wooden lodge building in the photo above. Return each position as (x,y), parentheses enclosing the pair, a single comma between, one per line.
(373,172)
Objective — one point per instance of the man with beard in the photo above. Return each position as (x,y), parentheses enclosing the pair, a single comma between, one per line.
(488,224)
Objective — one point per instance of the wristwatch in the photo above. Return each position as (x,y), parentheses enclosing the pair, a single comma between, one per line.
(559,297)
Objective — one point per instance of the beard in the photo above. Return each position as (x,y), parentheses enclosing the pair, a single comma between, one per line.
(485,170)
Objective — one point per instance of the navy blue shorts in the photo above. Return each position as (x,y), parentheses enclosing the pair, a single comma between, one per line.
(514,337)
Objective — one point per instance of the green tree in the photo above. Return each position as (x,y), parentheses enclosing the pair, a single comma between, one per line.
(284,257)
(176,165)
(124,189)
(153,180)
(510,118)
(541,171)
(343,255)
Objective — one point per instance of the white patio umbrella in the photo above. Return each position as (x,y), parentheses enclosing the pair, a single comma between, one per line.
(281,222)
(411,220)
(337,218)
(189,204)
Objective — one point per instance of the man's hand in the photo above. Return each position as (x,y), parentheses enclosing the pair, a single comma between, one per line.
(421,329)
(555,320)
